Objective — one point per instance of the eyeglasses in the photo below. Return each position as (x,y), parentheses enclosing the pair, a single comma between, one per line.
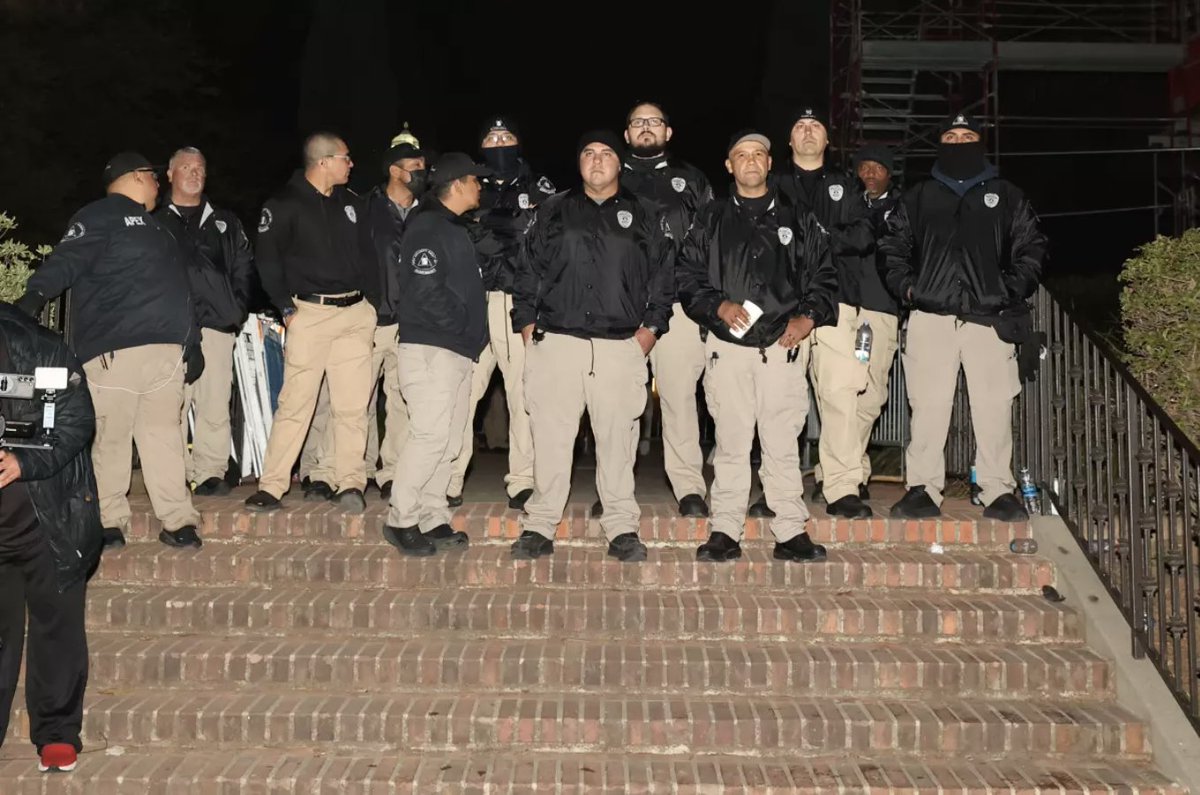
(653,121)
(345,157)
(149,171)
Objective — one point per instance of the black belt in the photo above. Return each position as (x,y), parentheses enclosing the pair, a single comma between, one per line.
(330,300)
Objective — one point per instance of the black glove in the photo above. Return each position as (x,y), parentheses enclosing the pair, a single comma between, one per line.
(193,360)
(31,303)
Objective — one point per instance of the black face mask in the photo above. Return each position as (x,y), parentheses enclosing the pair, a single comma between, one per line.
(504,160)
(417,179)
(962,161)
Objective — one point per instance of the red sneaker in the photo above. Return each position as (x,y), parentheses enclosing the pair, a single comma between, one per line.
(57,758)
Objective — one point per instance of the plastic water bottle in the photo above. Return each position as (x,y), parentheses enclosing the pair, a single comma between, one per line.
(862,342)
(975,490)
(1029,492)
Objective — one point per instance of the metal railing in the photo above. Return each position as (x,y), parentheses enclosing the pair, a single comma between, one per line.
(1126,480)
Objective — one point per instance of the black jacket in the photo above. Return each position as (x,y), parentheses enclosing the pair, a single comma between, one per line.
(128,283)
(971,255)
(220,264)
(384,225)
(595,270)
(677,187)
(310,243)
(441,298)
(779,259)
(872,292)
(61,482)
(505,211)
(835,200)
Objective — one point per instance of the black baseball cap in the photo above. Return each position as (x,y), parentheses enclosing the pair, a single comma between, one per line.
(456,165)
(400,152)
(121,164)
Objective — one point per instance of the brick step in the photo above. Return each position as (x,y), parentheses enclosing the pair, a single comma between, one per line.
(517,612)
(657,667)
(226,517)
(490,565)
(303,772)
(755,725)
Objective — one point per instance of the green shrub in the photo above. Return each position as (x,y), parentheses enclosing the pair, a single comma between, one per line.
(15,261)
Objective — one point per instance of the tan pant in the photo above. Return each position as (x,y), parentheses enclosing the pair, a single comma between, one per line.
(137,393)
(316,460)
(678,363)
(563,376)
(209,456)
(936,346)
(323,340)
(850,396)
(436,384)
(743,391)
(507,351)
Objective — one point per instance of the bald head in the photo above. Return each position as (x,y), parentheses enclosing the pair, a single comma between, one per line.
(140,186)
(321,145)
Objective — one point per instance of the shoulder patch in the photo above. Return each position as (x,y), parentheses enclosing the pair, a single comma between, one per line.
(424,262)
(264,221)
(545,186)
(74,232)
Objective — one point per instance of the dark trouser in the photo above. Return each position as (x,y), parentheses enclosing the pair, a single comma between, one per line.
(57,667)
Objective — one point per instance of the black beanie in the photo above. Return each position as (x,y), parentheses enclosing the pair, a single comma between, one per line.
(963,121)
(500,121)
(606,137)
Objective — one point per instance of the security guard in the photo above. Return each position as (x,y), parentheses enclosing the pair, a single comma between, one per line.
(838,375)
(592,295)
(133,325)
(679,189)
(220,267)
(313,268)
(964,254)
(756,274)
(388,209)
(506,208)
(443,329)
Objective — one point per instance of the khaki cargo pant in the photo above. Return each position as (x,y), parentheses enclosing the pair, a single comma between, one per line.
(211,439)
(850,396)
(137,394)
(506,351)
(436,383)
(323,340)
(935,348)
(563,376)
(678,363)
(744,391)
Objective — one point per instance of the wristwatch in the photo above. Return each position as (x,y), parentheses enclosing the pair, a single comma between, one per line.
(653,330)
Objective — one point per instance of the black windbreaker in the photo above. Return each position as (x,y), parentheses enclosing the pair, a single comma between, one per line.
(505,211)
(971,255)
(129,286)
(779,259)
(595,270)
(679,188)
(384,226)
(220,264)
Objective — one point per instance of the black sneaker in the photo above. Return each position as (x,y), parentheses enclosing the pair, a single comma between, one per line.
(719,547)
(694,506)
(800,549)
(759,509)
(410,541)
(385,491)
(1006,508)
(350,501)
(597,509)
(849,507)
(916,504)
(185,536)
(864,493)
(213,487)
(446,537)
(318,490)
(113,538)
(371,484)
(263,501)
(627,548)
(532,545)
(454,501)
(518,500)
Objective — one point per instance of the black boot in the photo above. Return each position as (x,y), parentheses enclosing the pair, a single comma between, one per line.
(719,548)
(627,548)
(800,549)
(446,537)
(849,507)
(694,506)
(916,504)
(531,545)
(410,541)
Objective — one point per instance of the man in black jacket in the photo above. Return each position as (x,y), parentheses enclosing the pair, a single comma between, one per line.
(592,295)
(443,328)
(506,207)
(964,253)
(50,540)
(314,269)
(220,269)
(133,325)
(757,275)
(679,189)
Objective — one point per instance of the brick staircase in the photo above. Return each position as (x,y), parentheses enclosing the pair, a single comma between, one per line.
(297,653)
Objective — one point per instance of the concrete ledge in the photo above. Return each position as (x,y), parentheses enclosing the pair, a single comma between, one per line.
(1140,688)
